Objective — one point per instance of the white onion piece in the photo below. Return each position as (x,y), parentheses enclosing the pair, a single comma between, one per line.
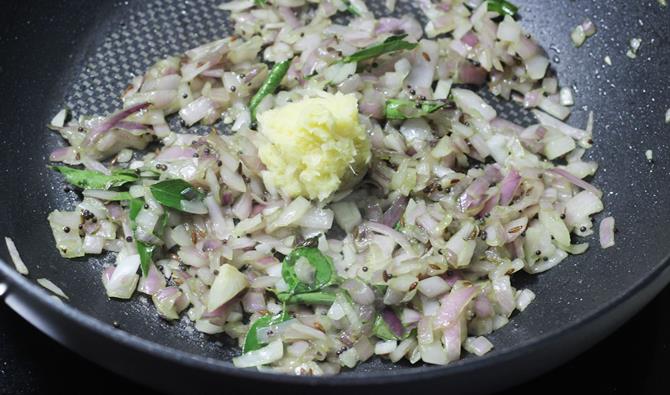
(385,347)
(451,338)
(206,326)
(577,36)
(433,286)
(228,283)
(477,345)
(409,316)
(168,82)
(197,110)
(554,109)
(472,104)
(564,128)
(16,258)
(59,119)
(607,232)
(232,179)
(403,348)
(317,218)
(509,30)
(222,227)
(359,291)
(555,225)
(524,298)
(423,65)
(269,333)
(52,287)
(433,353)
(291,213)
(192,257)
(566,96)
(93,244)
(123,279)
(237,5)
(346,215)
(537,67)
(462,244)
(242,207)
(399,238)
(263,356)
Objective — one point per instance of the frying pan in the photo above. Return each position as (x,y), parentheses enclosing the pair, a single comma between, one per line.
(82,53)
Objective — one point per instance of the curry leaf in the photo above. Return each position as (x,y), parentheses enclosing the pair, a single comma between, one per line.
(90,179)
(502,7)
(307,298)
(324,270)
(251,342)
(350,7)
(406,109)
(391,44)
(161,225)
(171,193)
(146,252)
(135,207)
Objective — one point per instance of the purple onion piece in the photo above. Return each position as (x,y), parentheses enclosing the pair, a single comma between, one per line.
(152,282)
(176,153)
(489,205)
(606,232)
(131,125)
(211,245)
(451,277)
(393,322)
(471,74)
(394,213)
(60,154)
(470,39)
(576,181)
(452,305)
(359,291)
(112,121)
(222,310)
(509,186)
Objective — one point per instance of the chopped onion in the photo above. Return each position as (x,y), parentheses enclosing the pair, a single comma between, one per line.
(472,104)
(123,279)
(52,287)
(433,286)
(385,347)
(263,356)
(477,345)
(453,202)
(16,258)
(59,120)
(228,283)
(359,291)
(607,232)
(453,304)
(524,298)
(347,215)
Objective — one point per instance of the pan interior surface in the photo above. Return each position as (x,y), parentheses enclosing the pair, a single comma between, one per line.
(628,99)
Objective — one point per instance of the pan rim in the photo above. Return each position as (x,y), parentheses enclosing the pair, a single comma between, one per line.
(657,276)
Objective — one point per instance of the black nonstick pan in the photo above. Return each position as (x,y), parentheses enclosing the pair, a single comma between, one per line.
(81,54)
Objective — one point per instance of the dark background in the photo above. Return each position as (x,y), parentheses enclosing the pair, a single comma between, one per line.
(634,360)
